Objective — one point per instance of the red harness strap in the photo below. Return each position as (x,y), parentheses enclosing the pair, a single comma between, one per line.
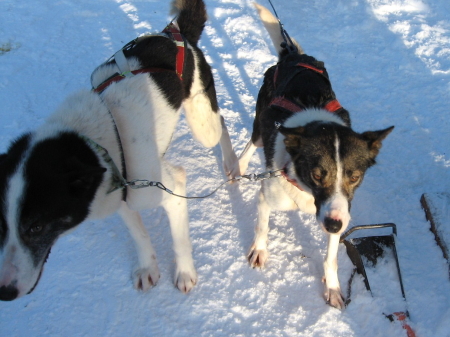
(179,67)
(286,104)
(331,106)
(292,181)
(118,78)
(306,65)
(179,41)
(280,101)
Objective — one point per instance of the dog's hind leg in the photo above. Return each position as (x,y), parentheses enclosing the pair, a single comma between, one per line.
(203,117)
(333,294)
(147,274)
(176,208)
(257,254)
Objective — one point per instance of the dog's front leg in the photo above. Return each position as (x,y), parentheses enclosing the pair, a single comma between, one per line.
(147,274)
(257,255)
(333,294)
(176,208)
(246,155)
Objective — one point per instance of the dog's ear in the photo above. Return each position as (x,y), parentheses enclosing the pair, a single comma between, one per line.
(83,178)
(374,139)
(292,138)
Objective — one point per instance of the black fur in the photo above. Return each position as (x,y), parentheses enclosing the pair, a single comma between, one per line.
(63,172)
(191,20)
(8,165)
(311,146)
(312,152)
(305,87)
(160,52)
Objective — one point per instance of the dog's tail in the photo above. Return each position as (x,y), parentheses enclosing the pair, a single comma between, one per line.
(191,18)
(273,28)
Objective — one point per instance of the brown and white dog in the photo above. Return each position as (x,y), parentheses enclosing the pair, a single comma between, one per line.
(307,136)
(54,178)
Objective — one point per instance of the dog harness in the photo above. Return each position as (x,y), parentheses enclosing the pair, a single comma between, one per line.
(282,102)
(171,32)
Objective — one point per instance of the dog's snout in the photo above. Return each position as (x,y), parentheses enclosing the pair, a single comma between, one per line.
(332,225)
(8,293)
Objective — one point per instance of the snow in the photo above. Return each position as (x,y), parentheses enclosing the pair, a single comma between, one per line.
(389,62)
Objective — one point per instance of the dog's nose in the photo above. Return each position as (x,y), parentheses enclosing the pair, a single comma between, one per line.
(8,293)
(332,225)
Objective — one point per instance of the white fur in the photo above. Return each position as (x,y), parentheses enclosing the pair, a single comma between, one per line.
(336,207)
(145,135)
(311,115)
(332,292)
(204,123)
(17,265)
(278,194)
(244,158)
(147,275)
(282,157)
(146,122)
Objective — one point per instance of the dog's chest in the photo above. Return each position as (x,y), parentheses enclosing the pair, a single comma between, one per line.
(283,196)
(145,122)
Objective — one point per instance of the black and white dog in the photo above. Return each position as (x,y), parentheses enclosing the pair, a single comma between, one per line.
(307,138)
(54,178)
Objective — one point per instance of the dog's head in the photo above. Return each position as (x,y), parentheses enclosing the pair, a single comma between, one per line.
(331,160)
(46,188)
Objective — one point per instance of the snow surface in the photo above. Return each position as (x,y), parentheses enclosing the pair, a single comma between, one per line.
(389,61)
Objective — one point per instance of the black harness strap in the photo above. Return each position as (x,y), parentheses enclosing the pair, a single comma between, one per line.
(282,102)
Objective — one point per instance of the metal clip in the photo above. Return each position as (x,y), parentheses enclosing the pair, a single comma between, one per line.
(138,183)
(258,177)
(160,186)
(251,177)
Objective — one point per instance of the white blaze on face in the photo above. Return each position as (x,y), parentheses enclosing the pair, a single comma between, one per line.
(336,207)
(16,265)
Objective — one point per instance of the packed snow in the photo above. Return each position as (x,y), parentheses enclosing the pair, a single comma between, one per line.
(389,62)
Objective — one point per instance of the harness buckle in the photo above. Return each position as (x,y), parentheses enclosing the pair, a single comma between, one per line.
(179,43)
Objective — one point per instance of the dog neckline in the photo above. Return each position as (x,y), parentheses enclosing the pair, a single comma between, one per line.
(117,179)
(285,175)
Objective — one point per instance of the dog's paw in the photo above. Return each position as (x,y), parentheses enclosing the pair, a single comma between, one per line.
(185,280)
(145,278)
(257,257)
(334,298)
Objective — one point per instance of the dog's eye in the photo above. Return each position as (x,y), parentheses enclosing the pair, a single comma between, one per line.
(34,229)
(354,178)
(316,175)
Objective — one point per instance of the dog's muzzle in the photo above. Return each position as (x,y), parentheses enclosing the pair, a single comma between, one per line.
(8,293)
(332,226)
